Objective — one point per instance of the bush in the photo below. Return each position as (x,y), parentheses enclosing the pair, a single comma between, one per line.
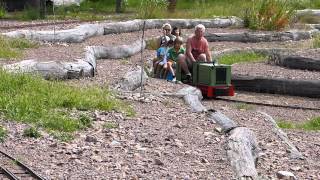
(150,8)
(269,14)
(2,10)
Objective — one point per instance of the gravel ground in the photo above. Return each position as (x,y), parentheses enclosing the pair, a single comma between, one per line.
(164,140)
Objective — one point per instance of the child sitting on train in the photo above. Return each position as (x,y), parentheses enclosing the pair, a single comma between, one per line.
(162,55)
(173,55)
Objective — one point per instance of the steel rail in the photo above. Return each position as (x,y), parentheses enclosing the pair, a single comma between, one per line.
(8,173)
(32,173)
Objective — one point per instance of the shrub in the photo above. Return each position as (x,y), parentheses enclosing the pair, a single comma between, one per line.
(269,14)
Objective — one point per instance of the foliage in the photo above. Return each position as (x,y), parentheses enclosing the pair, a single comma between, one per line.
(316,41)
(269,14)
(110,125)
(313,124)
(46,104)
(241,57)
(31,132)
(3,133)
(62,136)
(30,13)
(2,10)
(150,8)
(12,47)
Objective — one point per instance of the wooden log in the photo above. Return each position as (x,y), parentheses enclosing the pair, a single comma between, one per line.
(304,88)
(297,62)
(312,12)
(294,152)
(52,69)
(76,35)
(242,148)
(82,32)
(118,52)
(259,37)
(132,80)
(192,96)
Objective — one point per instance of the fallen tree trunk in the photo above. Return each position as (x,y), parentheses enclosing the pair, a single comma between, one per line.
(242,147)
(118,52)
(313,12)
(294,152)
(132,80)
(82,32)
(259,37)
(305,88)
(75,35)
(52,69)
(297,62)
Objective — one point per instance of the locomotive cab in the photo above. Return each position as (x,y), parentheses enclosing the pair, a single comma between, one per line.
(212,79)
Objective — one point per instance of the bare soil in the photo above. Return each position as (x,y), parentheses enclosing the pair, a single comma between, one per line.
(164,140)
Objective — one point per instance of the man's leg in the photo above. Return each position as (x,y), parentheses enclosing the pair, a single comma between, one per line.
(182,60)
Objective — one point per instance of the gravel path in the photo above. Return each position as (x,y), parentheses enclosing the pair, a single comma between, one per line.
(164,140)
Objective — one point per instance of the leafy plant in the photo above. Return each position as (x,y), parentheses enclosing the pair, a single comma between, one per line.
(3,133)
(150,8)
(31,132)
(269,14)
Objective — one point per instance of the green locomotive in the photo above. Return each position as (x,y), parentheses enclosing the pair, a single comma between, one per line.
(212,79)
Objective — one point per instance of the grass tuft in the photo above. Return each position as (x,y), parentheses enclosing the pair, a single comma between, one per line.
(244,106)
(311,125)
(47,104)
(316,41)
(3,134)
(110,125)
(31,132)
(241,57)
(11,48)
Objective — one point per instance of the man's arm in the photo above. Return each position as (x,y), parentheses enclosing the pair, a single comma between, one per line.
(207,52)
(188,51)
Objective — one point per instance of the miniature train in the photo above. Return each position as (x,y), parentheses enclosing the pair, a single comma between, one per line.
(212,79)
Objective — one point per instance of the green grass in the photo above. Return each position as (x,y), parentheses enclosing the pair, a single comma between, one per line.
(241,58)
(316,41)
(47,104)
(31,132)
(11,48)
(3,133)
(244,106)
(311,125)
(110,125)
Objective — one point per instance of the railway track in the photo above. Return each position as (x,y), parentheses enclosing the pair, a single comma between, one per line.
(6,27)
(13,169)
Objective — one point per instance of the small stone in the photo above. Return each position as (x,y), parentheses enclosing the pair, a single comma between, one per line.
(208,134)
(96,158)
(217,139)
(296,168)
(90,138)
(115,143)
(203,160)
(218,129)
(178,126)
(158,162)
(286,175)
